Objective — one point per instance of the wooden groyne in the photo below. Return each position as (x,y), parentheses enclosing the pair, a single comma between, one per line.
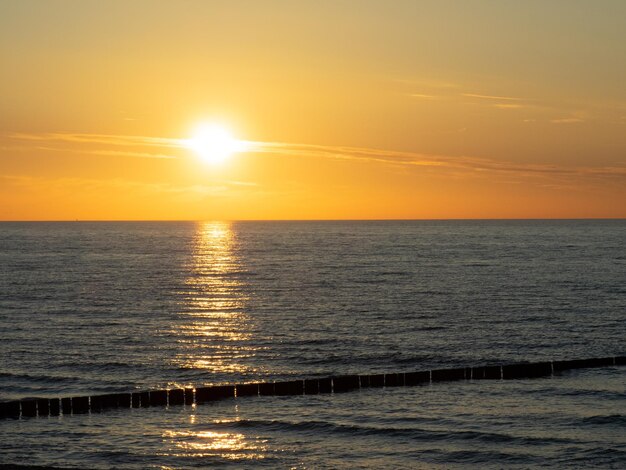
(45,407)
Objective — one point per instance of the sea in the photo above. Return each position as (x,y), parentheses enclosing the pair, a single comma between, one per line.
(100,307)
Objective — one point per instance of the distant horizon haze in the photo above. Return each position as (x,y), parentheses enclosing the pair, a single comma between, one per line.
(503,219)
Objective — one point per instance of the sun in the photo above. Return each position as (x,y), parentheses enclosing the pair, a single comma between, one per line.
(213,143)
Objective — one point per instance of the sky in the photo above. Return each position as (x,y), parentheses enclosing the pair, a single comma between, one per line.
(348,109)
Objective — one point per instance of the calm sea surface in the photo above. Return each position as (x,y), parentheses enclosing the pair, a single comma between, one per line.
(91,308)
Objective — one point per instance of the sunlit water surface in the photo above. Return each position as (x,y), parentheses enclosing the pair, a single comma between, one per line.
(101,307)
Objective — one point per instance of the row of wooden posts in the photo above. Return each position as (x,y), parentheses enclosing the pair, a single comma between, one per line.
(45,407)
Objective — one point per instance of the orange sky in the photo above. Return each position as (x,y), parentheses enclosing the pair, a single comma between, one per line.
(355,109)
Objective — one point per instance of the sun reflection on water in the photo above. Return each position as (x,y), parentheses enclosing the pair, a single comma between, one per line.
(225,445)
(216,332)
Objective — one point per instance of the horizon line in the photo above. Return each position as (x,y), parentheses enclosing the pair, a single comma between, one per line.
(433,219)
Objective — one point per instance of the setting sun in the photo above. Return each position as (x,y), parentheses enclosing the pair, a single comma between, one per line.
(213,143)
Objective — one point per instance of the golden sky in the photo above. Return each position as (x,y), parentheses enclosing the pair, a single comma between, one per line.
(348,109)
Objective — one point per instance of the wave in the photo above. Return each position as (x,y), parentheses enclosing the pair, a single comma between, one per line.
(614,419)
(416,433)
(39,377)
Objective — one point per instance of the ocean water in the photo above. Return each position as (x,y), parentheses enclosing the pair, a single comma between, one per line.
(101,307)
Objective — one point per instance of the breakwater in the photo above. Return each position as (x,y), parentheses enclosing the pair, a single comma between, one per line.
(45,407)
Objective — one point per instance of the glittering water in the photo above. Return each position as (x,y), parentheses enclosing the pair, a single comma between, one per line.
(101,307)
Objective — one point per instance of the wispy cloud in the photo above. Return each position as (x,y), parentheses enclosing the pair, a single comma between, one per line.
(492,97)
(509,105)
(572,118)
(107,153)
(452,165)
(550,111)
(495,101)
(121,184)
(424,96)
(499,102)
(126,140)
(568,120)
(444,165)
(437,84)
(84,144)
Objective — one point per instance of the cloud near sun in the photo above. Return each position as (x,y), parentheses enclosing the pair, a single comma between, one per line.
(172,148)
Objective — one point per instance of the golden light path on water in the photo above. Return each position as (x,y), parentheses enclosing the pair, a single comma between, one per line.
(215,332)
(225,445)
(214,336)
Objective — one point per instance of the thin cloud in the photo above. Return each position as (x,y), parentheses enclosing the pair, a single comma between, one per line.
(108,153)
(121,153)
(500,102)
(424,96)
(127,140)
(573,118)
(440,84)
(88,184)
(492,97)
(569,120)
(468,166)
(103,139)
(448,165)
(509,106)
